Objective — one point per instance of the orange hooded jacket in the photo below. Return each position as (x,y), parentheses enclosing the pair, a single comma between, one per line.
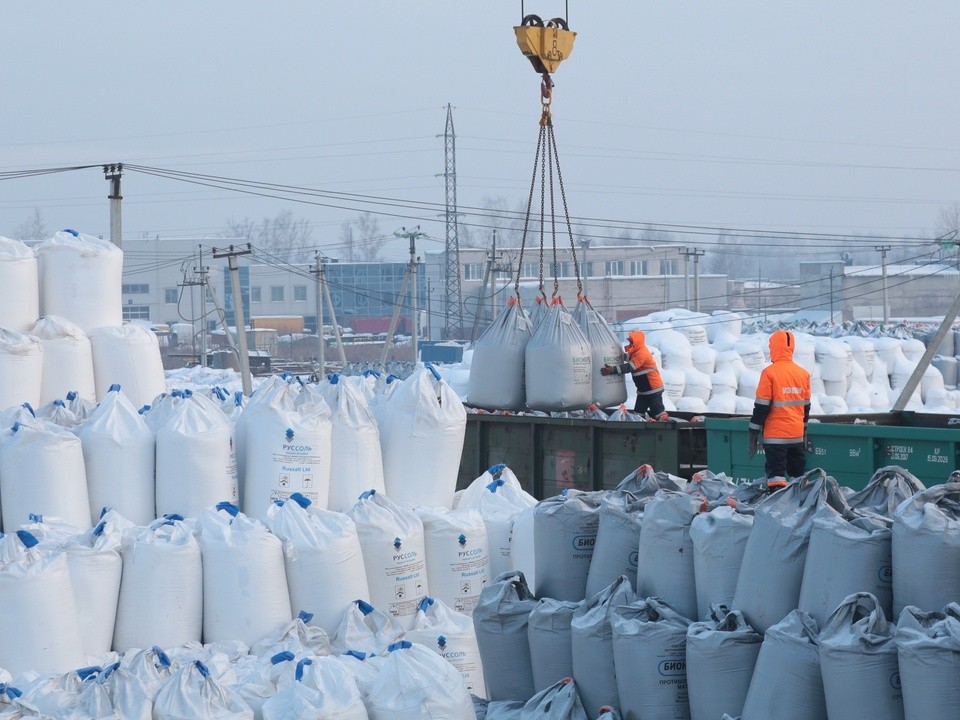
(782,406)
(641,365)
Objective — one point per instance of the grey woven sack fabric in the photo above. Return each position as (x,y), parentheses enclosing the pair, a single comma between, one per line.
(926,549)
(886,490)
(847,554)
(592,637)
(646,482)
(721,656)
(928,653)
(565,532)
(608,713)
(649,652)
(786,682)
(606,348)
(551,641)
(497,369)
(558,370)
(719,540)
(505,710)
(618,537)
(500,622)
(560,701)
(858,661)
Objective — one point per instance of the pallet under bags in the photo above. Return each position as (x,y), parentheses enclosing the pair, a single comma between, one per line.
(928,654)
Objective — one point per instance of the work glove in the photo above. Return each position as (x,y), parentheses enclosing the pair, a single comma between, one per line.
(606,370)
(753,440)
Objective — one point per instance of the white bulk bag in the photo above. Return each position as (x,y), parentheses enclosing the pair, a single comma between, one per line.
(523,555)
(365,629)
(565,532)
(675,349)
(833,359)
(863,353)
(719,540)
(58,413)
(751,352)
(119,455)
(151,668)
(19,286)
(858,661)
(416,684)
(551,641)
(500,621)
(674,381)
(422,439)
(324,689)
(721,656)
(192,693)
(40,621)
(496,372)
(393,554)
(356,462)
(559,363)
(80,279)
(696,385)
(618,537)
(245,593)
(458,555)
(128,355)
(610,390)
(41,472)
(704,358)
(67,359)
(286,449)
(112,692)
(451,635)
(161,591)
(296,637)
(195,461)
(21,369)
(928,655)
(324,562)
(724,323)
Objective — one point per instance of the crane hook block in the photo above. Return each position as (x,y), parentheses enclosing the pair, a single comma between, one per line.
(545,44)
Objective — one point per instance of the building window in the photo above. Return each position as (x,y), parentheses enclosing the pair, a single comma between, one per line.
(136,312)
(561,269)
(254,293)
(276,293)
(299,293)
(530,270)
(135,289)
(669,267)
(170,296)
(586,269)
(613,267)
(473,271)
(638,267)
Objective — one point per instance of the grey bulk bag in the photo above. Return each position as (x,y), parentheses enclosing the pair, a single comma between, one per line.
(496,371)
(858,661)
(928,651)
(847,554)
(721,656)
(786,683)
(646,482)
(926,549)
(649,653)
(607,350)
(565,531)
(558,363)
(608,713)
(665,553)
(558,702)
(504,710)
(500,621)
(618,537)
(772,570)
(551,641)
(592,643)
(719,539)
(886,490)
(714,488)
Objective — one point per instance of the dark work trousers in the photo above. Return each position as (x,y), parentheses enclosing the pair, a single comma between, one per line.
(651,404)
(785,460)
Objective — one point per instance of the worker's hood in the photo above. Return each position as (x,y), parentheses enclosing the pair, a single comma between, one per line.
(635,339)
(782,345)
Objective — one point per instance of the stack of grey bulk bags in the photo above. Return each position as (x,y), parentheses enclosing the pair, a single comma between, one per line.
(649,652)
(772,570)
(496,371)
(559,363)
(858,662)
(500,620)
(551,641)
(565,532)
(926,549)
(719,540)
(618,537)
(928,652)
(786,682)
(721,656)
(886,490)
(609,390)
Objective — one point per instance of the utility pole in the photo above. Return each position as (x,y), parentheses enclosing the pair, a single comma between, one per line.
(321,343)
(696,254)
(831,296)
(113,174)
(199,279)
(409,276)
(585,245)
(238,320)
(333,321)
(686,277)
(489,277)
(883,249)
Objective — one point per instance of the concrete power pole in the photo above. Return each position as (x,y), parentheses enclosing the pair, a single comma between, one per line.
(321,343)
(238,320)
(113,173)
(883,249)
(696,254)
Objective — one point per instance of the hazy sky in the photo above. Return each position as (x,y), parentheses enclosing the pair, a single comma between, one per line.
(817,117)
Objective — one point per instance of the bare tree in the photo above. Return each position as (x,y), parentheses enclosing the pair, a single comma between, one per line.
(32,230)
(348,243)
(370,240)
(722,257)
(284,236)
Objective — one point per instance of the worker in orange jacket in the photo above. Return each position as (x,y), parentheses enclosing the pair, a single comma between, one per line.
(643,368)
(781,411)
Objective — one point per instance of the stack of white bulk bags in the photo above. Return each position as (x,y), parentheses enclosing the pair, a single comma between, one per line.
(618,538)
(393,554)
(161,592)
(606,348)
(80,279)
(704,358)
(119,454)
(565,532)
(245,593)
(551,641)
(192,692)
(356,462)
(41,471)
(675,349)
(363,628)
(719,540)
(128,355)
(500,621)
(323,558)
(559,363)
(67,359)
(285,449)
(422,440)
(196,467)
(928,654)
(322,688)
(40,622)
(496,371)
(451,635)
(21,369)
(19,286)
(458,555)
